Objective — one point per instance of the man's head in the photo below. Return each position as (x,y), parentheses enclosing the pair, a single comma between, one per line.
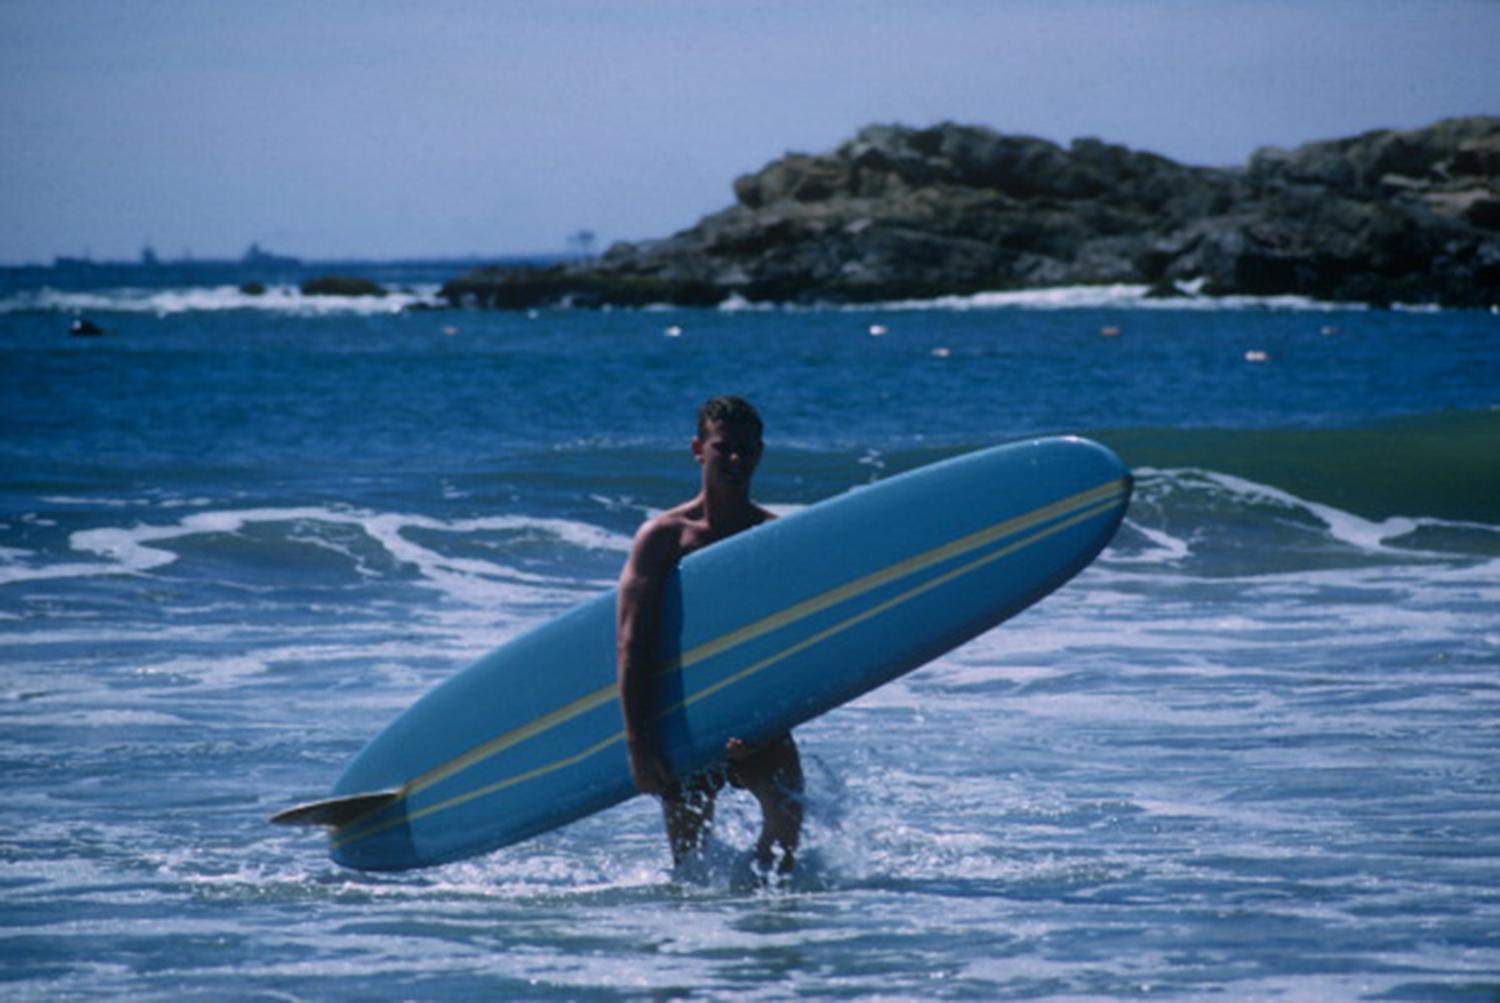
(730,411)
(728,441)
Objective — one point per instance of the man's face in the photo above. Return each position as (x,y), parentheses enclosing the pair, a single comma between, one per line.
(728,451)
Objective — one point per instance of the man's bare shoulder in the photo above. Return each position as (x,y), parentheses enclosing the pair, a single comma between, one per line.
(658,543)
(671,522)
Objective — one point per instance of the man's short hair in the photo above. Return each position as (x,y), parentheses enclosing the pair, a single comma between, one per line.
(729,410)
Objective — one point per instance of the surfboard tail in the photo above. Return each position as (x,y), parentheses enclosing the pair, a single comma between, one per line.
(336,812)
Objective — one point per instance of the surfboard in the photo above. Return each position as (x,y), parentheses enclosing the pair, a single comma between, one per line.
(761,632)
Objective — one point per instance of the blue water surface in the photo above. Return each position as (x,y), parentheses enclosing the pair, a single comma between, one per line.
(1250,753)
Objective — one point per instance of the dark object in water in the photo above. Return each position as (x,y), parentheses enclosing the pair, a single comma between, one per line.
(253,288)
(341,285)
(84,328)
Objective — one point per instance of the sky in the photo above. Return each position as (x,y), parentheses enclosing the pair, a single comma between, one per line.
(385,129)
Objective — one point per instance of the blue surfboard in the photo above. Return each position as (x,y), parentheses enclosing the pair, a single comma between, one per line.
(762,632)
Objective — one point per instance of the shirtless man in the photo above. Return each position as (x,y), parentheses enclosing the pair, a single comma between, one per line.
(727,447)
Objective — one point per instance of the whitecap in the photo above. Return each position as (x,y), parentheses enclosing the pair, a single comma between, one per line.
(736,303)
(99,502)
(1372,536)
(165,302)
(1346,527)
(139,549)
(1163,547)
(1120,295)
(104,717)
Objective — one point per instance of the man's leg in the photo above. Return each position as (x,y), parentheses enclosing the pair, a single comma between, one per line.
(772,772)
(688,808)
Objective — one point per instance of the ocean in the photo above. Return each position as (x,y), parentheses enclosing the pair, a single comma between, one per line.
(1253,752)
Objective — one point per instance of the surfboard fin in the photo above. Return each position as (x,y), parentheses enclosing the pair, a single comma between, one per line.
(335,812)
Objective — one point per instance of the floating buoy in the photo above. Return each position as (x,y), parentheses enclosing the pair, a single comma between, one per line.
(1257,355)
(673,331)
(942,353)
(1109,332)
(450,331)
(1328,329)
(877,330)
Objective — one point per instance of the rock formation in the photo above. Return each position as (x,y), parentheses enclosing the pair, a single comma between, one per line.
(341,285)
(896,212)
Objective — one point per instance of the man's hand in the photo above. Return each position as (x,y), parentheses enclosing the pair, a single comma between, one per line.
(749,761)
(738,749)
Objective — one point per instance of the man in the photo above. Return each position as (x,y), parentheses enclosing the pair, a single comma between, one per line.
(728,448)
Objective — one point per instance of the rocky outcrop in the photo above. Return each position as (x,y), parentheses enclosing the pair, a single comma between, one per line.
(898,213)
(341,285)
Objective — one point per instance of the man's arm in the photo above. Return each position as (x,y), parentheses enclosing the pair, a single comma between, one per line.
(637,621)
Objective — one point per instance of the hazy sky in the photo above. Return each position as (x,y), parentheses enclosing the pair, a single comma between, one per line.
(418,128)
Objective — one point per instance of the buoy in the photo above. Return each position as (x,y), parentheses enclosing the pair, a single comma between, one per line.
(1328,329)
(877,330)
(1257,355)
(942,353)
(1109,332)
(450,331)
(673,331)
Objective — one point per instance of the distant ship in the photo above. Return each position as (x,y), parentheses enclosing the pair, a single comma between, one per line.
(254,257)
(261,258)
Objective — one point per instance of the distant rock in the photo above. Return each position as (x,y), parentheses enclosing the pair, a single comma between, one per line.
(341,285)
(895,213)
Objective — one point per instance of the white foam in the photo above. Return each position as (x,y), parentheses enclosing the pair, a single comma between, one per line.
(139,549)
(100,502)
(1164,547)
(106,717)
(1371,536)
(1364,534)
(126,548)
(472,579)
(1122,295)
(738,304)
(18,572)
(164,302)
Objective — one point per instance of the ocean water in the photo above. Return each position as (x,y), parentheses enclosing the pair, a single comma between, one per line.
(1253,752)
